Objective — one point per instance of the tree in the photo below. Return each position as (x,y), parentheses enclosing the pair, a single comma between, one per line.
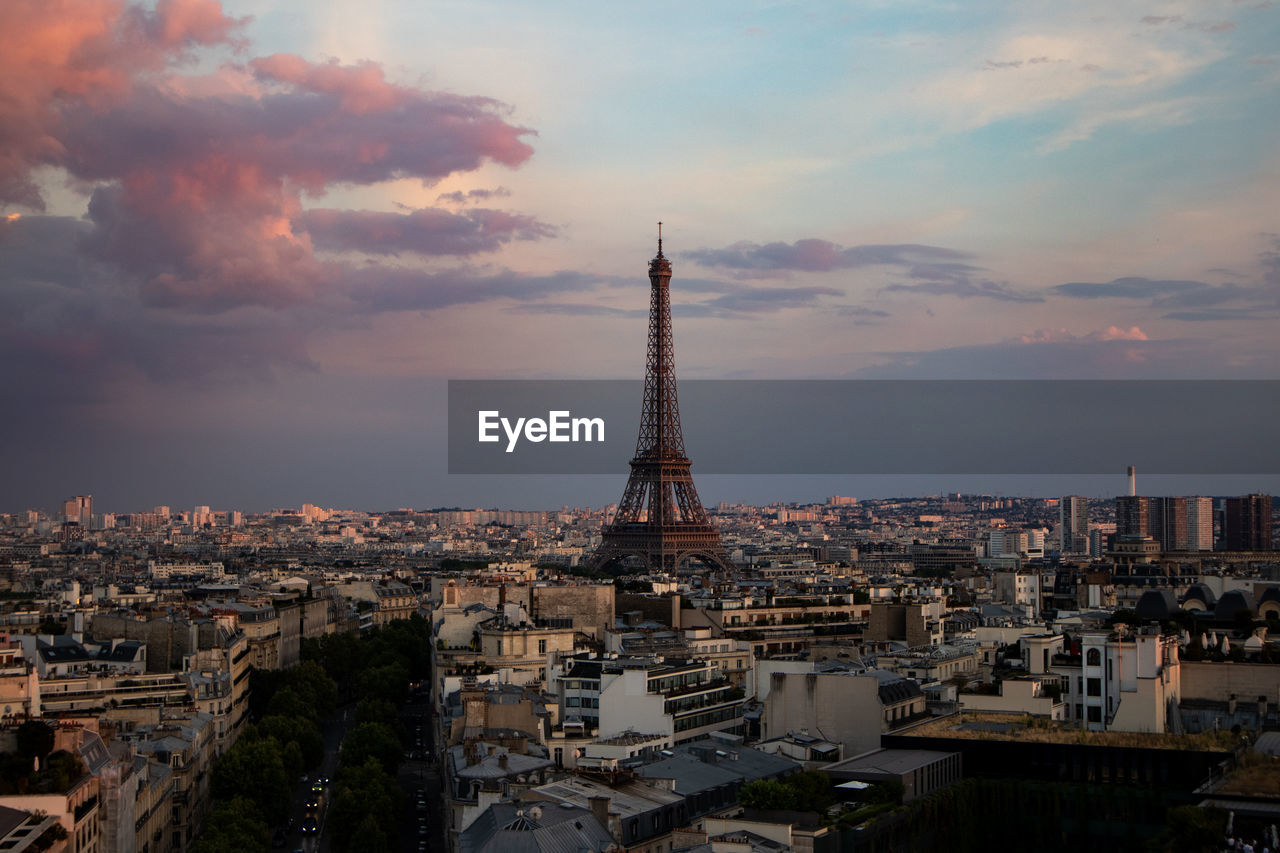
(371,740)
(298,730)
(363,792)
(35,739)
(812,790)
(254,768)
(767,794)
(234,827)
(1194,830)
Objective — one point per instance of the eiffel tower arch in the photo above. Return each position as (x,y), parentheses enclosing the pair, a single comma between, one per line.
(660,520)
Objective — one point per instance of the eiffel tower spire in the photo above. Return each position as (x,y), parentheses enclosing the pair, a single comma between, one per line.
(660,519)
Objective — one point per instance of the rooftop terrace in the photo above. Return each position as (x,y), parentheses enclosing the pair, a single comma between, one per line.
(1019,727)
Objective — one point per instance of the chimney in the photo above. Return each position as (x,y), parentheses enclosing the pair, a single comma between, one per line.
(1133,481)
(502,593)
(502,761)
(492,750)
(600,808)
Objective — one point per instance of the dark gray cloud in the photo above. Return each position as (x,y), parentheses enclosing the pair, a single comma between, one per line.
(1193,300)
(578,309)
(1077,358)
(930,270)
(459,197)
(965,287)
(428,231)
(1129,287)
(812,255)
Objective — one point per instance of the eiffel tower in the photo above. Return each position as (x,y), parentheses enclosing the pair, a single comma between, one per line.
(660,519)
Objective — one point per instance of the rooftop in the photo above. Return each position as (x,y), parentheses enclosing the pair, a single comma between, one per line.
(989,726)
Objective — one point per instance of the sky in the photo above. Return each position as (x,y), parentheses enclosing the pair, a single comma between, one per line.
(244,245)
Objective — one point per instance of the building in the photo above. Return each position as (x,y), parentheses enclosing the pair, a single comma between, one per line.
(681,700)
(914,623)
(1123,682)
(1199,524)
(1073,524)
(29,832)
(849,707)
(919,771)
(1164,519)
(1246,523)
(78,510)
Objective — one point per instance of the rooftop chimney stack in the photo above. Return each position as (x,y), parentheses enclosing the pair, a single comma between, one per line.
(1133,482)
(600,808)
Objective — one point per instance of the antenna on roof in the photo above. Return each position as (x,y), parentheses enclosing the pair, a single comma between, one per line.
(659,239)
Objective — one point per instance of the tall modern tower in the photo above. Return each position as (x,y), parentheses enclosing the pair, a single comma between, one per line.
(660,519)
(1073,522)
(1246,525)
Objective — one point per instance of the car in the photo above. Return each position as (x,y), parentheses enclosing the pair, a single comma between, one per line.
(324,780)
(317,787)
(310,827)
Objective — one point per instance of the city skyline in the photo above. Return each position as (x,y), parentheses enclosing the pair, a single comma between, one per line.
(244,245)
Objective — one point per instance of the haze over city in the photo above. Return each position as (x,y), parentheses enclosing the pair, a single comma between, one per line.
(244,245)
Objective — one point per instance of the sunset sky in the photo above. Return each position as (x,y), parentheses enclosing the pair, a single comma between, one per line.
(244,245)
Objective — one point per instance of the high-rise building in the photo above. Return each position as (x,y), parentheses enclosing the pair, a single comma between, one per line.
(1164,519)
(1169,523)
(1073,522)
(1246,523)
(78,510)
(1199,524)
(1133,515)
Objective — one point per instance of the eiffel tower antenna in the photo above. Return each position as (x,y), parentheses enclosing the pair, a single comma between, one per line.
(660,519)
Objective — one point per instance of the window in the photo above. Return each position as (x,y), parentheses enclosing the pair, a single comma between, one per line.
(1094,657)
(542,647)
(1095,714)
(1095,686)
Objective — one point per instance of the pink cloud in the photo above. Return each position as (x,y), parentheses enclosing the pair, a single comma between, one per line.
(1117,333)
(1111,333)
(198,180)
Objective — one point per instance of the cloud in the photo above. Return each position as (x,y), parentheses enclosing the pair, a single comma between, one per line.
(429,231)
(59,57)
(1129,287)
(1066,356)
(579,309)
(197,258)
(1111,333)
(459,197)
(813,255)
(197,181)
(934,270)
(965,287)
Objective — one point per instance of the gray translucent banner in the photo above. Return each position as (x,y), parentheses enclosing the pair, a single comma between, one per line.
(876,426)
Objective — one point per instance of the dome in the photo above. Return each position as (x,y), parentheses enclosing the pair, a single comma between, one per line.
(1232,604)
(1199,593)
(1156,605)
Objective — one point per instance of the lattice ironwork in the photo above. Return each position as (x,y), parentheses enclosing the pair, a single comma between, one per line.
(660,519)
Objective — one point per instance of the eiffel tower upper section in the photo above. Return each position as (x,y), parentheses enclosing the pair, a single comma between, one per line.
(660,519)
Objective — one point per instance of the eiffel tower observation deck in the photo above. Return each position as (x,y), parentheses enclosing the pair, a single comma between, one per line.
(660,521)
